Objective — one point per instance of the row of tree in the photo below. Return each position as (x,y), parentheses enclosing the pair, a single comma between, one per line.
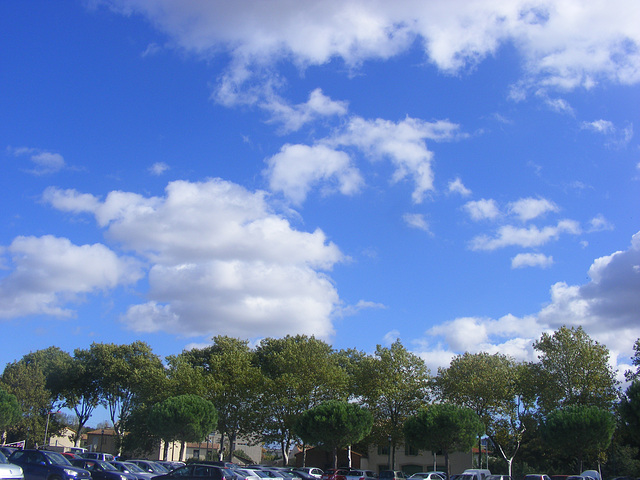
(264,393)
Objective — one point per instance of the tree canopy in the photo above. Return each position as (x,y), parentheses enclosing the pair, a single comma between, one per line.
(334,424)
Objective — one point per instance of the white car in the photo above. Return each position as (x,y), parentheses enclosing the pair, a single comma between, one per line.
(427,476)
(9,471)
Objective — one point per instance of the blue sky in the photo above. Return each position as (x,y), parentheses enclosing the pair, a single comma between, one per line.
(463,175)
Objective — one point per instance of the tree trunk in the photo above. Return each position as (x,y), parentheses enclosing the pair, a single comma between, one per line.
(446,464)
(182,446)
(232,446)
(221,449)
(349,456)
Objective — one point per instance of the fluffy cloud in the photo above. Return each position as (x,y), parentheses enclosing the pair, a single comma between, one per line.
(221,261)
(44,162)
(564,44)
(531,260)
(403,143)
(49,272)
(296,168)
(416,220)
(606,307)
(484,209)
(456,186)
(529,208)
(531,236)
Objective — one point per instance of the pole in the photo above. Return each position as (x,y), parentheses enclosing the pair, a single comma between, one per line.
(46,429)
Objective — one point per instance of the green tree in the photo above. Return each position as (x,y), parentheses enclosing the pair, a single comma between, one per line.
(443,427)
(486,384)
(579,431)
(334,424)
(299,372)
(630,412)
(234,385)
(26,382)
(81,391)
(574,370)
(393,384)
(10,412)
(127,375)
(630,375)
(185,418)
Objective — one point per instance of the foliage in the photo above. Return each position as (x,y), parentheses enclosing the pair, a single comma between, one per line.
(486,384)
(579,430)
(300,372)
(334,424)
(127,374)
(393,384)
(10,412)
(574,370)
(231,381)
(443,427)
(186,418)
(630,375)
(630,411)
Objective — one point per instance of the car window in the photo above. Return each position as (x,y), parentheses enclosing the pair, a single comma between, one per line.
(181,472)
(57,458)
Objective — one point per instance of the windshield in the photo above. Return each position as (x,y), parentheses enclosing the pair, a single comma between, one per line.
(106,466)
(57,458)
(3,459)
(132,467)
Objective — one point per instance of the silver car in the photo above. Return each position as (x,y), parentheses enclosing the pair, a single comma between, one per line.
(9,471)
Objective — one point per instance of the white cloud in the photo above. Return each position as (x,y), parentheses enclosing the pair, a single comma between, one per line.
(390,337)
(294,117)
(456,186)
(50,272)
(531,260)
(484,209)
(221,261)
(606,307)
(44,162)
(158,168)
(532,236)
(563,44)
(599,224)
(529,208)
(403,143)
(599,126)
(296,168)
(616,137)
(416,220)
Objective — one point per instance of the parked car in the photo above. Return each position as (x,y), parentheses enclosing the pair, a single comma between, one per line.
(132,469)
(392,475)
(101,470)
(9,471)
(105,457)
(246,474)
(44,465)
(329,474)
(194,471)
(171,465)
(477,473)
(427,476)
(355,474)
(313,471)
(150,466)
(536,476)
(502,477)
(7,450)
(591,473)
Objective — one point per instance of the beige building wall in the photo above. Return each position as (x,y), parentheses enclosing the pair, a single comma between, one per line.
(412,461)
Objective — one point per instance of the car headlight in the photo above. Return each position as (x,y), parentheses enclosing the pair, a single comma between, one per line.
(71,473)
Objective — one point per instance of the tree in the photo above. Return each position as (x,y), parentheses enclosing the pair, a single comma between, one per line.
(630,375)
(443,427)
(579,430)
(81,390)
(10,412)
(186,418)
(26,380)
(334,424)
(574,370)
(630,411)
(234,385)
(127,374)
(486,384)
(300,372)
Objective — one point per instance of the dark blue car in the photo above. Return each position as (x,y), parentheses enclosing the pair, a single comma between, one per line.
(43,465)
